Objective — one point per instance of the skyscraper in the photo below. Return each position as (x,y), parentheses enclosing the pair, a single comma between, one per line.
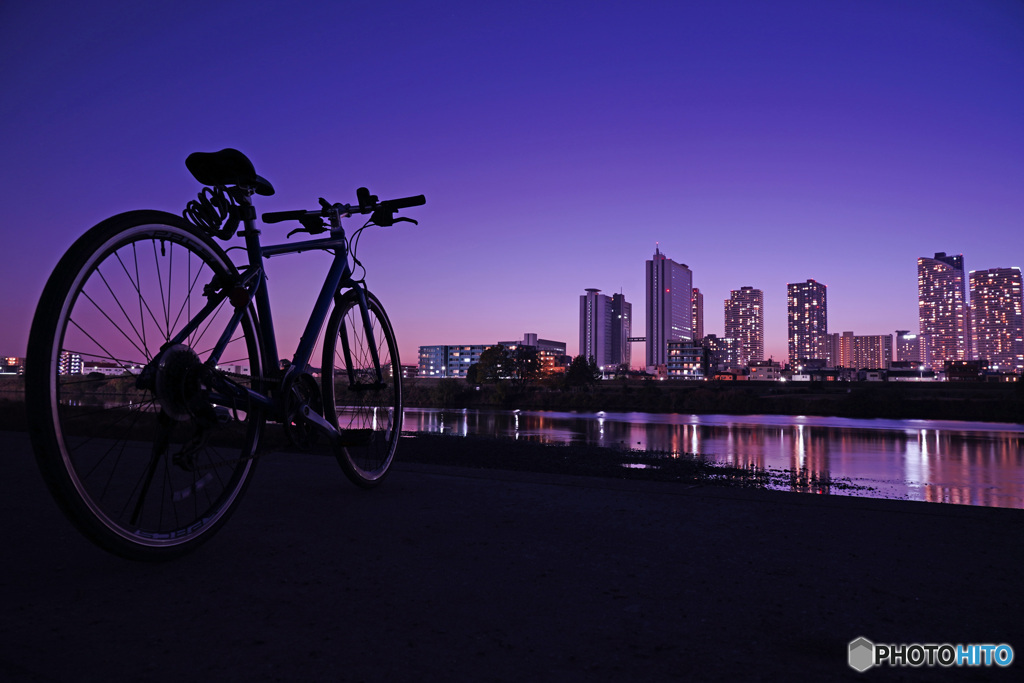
(807,306)
(942,309)
(698,315)
(596,326)
(669,307)
(744,322)
(605,325)
(622,329)
(998,321)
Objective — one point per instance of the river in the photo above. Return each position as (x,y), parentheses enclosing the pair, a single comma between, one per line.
(966,463)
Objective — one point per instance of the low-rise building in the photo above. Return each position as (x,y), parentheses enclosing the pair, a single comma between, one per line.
(724,353)
(687,360)
(447,360)
(765,371)
(12,365)
(551,355)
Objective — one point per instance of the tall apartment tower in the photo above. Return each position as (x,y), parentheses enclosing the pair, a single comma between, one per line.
(669,306)
(605,326)
(622,329)
(807,305)
(744,322)
(942,309)
(998,320)
(596,326)
(698,315)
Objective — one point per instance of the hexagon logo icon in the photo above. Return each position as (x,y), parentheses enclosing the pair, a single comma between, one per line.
(862,654)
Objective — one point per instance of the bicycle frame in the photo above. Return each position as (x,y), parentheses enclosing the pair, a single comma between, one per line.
(250,289)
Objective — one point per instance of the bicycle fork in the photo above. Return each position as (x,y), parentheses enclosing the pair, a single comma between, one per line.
(364,312)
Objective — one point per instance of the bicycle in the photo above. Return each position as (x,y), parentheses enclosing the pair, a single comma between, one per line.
(153,371)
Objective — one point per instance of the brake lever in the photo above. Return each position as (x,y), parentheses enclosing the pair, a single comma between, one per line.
(406,220)
(314,225)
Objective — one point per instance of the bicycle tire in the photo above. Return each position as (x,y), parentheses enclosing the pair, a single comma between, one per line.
(368,417)
(142,476)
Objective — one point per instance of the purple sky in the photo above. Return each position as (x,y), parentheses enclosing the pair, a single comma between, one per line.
(759,142)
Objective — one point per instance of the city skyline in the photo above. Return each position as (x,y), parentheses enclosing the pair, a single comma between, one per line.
(762,144)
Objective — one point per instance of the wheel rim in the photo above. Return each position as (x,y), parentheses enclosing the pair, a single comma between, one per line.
(150,478)
(370,419)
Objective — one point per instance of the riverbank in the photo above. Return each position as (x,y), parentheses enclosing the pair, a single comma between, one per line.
(457,574)
(969,401)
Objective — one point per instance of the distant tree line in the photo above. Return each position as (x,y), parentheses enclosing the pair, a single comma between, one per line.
(579,389)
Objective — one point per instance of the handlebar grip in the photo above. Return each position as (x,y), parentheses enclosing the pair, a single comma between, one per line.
(280,216)
(404,202)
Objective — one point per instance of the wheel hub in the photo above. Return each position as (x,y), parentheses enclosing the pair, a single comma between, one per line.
(178,389)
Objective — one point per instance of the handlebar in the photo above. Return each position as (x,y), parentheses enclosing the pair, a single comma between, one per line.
(280,216)
(367,204)
(403,203)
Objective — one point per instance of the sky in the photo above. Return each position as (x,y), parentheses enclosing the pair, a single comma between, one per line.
(760,143)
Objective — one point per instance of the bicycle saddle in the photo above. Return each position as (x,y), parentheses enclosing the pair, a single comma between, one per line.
(227,167)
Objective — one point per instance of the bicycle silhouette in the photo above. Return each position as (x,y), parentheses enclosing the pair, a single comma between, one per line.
(152,366)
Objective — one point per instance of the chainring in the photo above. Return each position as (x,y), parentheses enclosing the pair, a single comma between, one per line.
(304,391)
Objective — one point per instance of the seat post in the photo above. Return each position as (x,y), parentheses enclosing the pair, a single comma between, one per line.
(243,195)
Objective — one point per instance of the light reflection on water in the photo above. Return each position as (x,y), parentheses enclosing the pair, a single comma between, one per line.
(931,460)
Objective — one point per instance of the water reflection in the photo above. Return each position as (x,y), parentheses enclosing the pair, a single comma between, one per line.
(939,461)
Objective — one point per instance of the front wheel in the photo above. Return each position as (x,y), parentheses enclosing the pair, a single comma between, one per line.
(364,406)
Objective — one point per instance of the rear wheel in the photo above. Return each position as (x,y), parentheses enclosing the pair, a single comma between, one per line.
(366,409)
(148,465)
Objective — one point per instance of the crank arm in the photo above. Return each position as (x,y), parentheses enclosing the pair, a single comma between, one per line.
(323,426)
(338,439)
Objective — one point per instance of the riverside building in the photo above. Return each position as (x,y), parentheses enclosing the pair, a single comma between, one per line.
(698,314)
(605,326)
(998,323)
(669,306)
(807,308)
(723,353)
(454,360)
(744,323)
(448,361)
(551,356)
(872,351)
(942,309)
(908,347)
(687,360)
